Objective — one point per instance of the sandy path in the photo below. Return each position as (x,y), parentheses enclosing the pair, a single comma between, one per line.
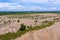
(49,33)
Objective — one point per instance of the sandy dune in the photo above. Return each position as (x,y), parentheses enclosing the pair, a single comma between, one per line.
(49,33)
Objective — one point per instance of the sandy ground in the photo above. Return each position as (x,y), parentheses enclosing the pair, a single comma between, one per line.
(49,33)
(14,26)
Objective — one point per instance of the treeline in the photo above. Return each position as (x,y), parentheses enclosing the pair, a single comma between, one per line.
(25,12)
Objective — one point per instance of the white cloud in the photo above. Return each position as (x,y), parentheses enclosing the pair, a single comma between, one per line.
(56,1)
(53,8)
(18,7)
(32,1)
(15,6)
(6,4)
(11,6)
(52,0)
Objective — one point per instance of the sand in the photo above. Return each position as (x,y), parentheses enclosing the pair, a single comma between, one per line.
(49,33)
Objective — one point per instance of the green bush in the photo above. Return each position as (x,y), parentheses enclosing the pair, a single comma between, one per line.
(56,18)
(23,27)
(45,21)
(18,20)
(29,28)
(9,21)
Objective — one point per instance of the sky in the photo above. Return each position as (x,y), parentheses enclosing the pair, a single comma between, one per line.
(29,5)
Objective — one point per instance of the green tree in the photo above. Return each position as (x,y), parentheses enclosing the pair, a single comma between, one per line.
(23,27)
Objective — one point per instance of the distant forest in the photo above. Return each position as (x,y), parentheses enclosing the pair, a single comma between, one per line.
(25,12)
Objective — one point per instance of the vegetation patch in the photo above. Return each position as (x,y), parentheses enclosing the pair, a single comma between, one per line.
(23,30)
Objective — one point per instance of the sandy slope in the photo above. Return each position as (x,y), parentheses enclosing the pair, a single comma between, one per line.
(49,33)
(12,27)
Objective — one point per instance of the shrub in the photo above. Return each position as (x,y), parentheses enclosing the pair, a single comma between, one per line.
(56,18)
(5,22)
(29,28)
(9,21)
(18,20)
(35,22)
(23,27)
(45,21)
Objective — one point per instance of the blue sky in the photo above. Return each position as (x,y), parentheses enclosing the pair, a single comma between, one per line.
(29,5)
